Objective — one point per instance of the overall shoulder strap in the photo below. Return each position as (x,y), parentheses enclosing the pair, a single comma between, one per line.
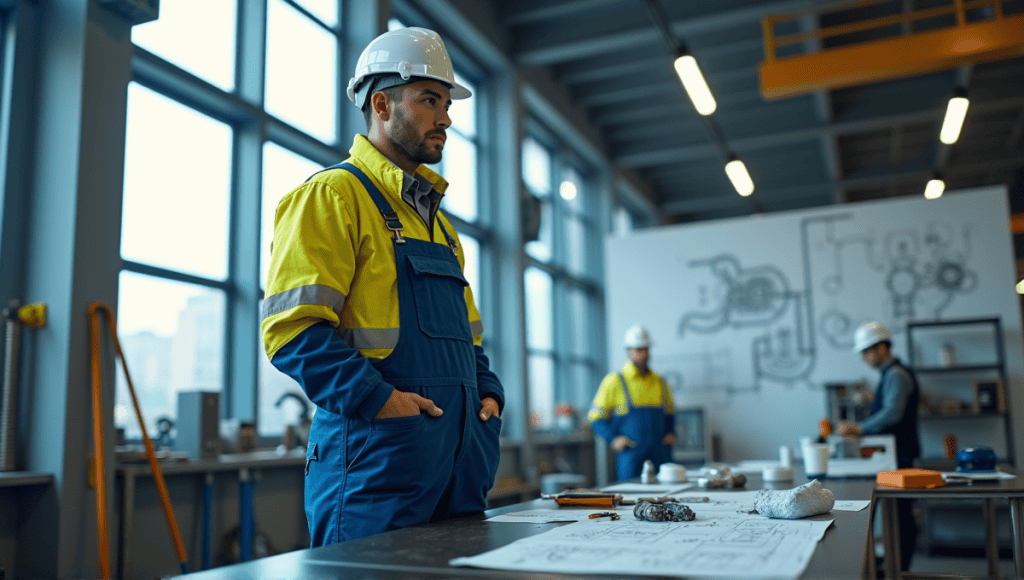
(390,217)
(625,391)
(450,239)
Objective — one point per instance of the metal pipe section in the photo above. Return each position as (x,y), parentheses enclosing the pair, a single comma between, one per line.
(207,517)
(9,410)
(246,516)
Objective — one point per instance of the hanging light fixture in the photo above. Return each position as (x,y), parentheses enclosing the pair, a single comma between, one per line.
(956,110)
(694,83)
(935,187)
(739,177)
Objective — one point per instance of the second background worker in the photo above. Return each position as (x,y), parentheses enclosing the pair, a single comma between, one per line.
(634,411)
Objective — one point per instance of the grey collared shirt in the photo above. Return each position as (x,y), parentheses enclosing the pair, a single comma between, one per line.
(419,192)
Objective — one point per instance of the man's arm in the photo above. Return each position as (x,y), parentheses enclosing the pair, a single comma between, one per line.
(334,375)
(488,386)
(307,284)
(600,414)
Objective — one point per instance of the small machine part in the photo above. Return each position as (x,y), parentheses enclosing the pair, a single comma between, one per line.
(614,516)
(663,512)
(722,477)
(648,474)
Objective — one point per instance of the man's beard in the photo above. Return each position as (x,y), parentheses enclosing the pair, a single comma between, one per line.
(414,146)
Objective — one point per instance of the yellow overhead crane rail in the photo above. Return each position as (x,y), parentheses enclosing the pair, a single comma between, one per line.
(993,37)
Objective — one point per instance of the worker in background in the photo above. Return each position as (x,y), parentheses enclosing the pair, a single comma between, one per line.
(894,412)
(633,410)
(368,309)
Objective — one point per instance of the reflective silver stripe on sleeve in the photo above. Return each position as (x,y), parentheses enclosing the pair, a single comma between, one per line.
(363,338)
(311,295)
(477,327)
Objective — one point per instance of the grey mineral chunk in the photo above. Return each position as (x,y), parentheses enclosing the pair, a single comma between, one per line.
(807,500)
(663,512)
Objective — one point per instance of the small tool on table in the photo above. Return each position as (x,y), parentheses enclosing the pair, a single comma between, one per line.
(585,497)
(612,515)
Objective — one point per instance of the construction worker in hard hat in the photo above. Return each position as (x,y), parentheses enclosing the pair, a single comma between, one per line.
(367,308)
(634,411)
(893,411)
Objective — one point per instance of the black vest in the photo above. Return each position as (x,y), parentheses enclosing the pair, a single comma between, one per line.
(908,446)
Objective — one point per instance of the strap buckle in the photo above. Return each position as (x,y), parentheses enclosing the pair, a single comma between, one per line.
(394,224)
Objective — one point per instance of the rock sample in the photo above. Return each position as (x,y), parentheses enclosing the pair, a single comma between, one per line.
(668,511)
(807,500)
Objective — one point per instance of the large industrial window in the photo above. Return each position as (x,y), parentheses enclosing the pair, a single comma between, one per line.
(186,186)
(563,299)
(302,70)
(174,243)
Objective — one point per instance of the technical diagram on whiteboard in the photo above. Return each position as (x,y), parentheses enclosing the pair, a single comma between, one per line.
(915,272)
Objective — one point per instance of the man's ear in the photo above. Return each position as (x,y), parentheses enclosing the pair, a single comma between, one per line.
(379,101)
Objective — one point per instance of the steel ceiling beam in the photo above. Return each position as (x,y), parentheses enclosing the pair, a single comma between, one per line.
(580,48)
(549,11)
(725,201)
(579,76)
(771,140)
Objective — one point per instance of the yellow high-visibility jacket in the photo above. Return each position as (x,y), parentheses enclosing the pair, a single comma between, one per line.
(332,257)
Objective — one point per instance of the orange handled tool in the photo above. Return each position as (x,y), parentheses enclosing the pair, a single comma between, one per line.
(97,429)
(950,446)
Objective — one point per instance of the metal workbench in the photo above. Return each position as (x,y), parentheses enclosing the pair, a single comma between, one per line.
(424,551)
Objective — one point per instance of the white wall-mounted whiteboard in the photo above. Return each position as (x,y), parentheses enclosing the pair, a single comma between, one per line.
(751,317)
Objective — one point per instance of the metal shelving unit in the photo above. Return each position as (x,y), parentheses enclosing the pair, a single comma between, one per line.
(949,359)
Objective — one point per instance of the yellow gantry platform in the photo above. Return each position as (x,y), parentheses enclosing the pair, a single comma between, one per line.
(915,53)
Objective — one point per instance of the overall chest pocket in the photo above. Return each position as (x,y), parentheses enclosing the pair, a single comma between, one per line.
(439,293)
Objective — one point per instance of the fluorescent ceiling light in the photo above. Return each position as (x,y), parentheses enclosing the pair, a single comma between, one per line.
(567,190)
(739,177)
(956,110)
(934,189)
(695,85)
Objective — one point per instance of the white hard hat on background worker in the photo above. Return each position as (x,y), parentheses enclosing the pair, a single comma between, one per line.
(869,334)
(400,56)
(636,337)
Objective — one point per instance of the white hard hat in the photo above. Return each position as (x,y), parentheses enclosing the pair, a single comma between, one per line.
(869,334)
(636,337)
(408,52)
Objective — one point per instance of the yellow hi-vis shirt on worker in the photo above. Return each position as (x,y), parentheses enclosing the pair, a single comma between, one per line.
(646,391)
(332,258)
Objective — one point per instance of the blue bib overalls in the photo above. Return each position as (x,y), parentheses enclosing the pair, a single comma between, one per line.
(365,477)
(646,426)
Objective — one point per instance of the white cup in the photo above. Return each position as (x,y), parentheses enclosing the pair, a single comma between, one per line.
(815,460)
(786,455)
(807,441)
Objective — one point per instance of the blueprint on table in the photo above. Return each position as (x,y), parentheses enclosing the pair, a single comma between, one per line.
(719,543)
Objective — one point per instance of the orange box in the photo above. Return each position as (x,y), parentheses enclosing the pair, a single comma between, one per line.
(911,477)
